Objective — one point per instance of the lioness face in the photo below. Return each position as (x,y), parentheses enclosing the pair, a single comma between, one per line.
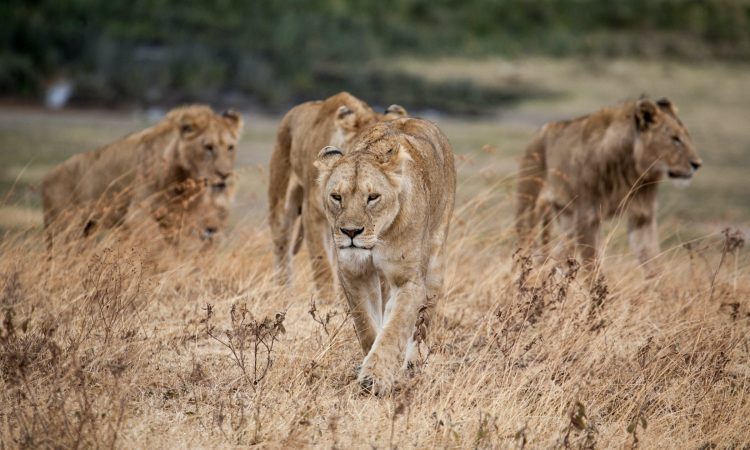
(207,147)
(664,144)
(211,212)
(361,196)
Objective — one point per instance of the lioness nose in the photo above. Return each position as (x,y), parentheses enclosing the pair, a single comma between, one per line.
(222,174)
(209,232)
(219,187)
(352,232)
(696,164)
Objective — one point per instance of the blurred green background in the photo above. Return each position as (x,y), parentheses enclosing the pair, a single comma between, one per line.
(490,73)
(273,54)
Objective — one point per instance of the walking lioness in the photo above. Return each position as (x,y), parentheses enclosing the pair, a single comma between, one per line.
(388,201)
(586,170)
(292,190)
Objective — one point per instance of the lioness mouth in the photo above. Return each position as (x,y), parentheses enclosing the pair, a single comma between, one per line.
(682,175)
(344,247)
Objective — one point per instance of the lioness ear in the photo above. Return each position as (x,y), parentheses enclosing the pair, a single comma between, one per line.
(395,112)
(345,118)
(233,118)
(184,120)
(187,127)
(645,113)
(326,158)
(667,106)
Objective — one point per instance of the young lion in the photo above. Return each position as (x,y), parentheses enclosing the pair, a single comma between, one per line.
(122,180)
(586,170)
(292,189)
(195,210)
(388,201)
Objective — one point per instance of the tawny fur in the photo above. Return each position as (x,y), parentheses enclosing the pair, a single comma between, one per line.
(292,190)
(121,182)
(583,171)
(195,210)
(388,203)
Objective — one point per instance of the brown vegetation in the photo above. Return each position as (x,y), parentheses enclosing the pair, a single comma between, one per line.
(100,349)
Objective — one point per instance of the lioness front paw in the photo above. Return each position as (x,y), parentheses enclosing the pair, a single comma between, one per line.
(376,379)
(412,359)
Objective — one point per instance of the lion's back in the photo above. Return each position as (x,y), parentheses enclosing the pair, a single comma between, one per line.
(433,166)
(580,152)
(437,150)
(311,127)
(432,154)
(86,177)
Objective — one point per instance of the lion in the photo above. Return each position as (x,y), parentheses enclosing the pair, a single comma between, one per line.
(586,170)
(119,183)
(292,190)
(388,202)
(195,210)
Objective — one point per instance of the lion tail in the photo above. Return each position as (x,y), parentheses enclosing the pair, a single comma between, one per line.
(298,238)
(531,179)
(280,168)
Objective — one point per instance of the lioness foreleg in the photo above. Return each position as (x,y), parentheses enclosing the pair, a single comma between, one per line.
(381,366)
(362,291)
(643,236)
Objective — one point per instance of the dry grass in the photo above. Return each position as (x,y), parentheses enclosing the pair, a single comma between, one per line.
(98,347)
(121,344)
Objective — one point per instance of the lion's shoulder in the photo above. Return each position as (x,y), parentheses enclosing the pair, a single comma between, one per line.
(617,119)
(424,142)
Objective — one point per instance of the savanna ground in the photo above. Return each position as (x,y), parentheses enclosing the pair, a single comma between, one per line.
(113,344)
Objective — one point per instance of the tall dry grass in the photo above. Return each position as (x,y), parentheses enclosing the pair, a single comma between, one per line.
(114,342)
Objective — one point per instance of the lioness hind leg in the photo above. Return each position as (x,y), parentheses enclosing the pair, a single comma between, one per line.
(433,286)
(282,221)
(544,212)
(315,229)
(427,311)
(587,243)
(565,247)
(49,235)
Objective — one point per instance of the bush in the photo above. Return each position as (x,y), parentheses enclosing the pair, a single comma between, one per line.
(270,53)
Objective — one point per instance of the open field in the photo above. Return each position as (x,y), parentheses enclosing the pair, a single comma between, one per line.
(110,344)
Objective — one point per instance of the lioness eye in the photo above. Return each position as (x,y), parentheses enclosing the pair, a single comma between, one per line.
(231,148)
(336,197)
(676,140)
(209,148)
(372,197)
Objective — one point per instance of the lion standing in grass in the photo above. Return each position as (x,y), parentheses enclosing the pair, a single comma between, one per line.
(123,181)
(293,191)
(195,210)
(589,169)
(388,201)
